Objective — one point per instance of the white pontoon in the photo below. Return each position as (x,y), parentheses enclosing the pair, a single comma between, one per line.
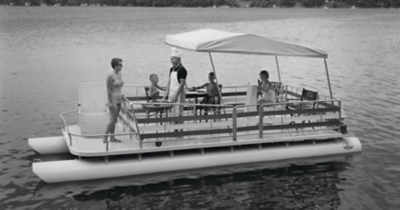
(302,123)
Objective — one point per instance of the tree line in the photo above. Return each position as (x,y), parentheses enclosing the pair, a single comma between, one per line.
(321,3)
(211,3)
(146,3)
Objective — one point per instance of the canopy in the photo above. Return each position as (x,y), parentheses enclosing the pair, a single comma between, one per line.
(209,40)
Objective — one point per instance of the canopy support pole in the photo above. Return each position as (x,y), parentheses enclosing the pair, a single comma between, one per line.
(216,78)
(277,66)
(329,81)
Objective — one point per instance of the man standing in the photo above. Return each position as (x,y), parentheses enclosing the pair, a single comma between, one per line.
(176,83)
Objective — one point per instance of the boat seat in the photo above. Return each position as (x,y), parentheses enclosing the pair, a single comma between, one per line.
(251,98)
(210,109)
(93,98)
(150,99)
(93,109)
(93,123)
(307,95)
(279,90)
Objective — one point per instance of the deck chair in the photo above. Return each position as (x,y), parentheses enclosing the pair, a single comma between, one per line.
(306,95)
(278,88)
(251,98)
(146,90)
(149,99)
(201,108)
(93,114)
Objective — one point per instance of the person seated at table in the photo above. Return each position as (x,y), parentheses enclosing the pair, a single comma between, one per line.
(154,92)
(213,96)
(265,88)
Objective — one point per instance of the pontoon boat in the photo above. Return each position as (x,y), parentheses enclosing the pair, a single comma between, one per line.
(301,124)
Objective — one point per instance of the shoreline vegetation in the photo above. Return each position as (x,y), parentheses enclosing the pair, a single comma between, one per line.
(213,3)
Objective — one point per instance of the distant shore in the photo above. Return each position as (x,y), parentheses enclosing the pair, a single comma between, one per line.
(221,7)
(322,4)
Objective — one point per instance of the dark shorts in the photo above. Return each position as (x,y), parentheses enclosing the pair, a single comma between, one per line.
(209,100)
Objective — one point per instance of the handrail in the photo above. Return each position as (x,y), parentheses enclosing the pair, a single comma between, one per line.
(286,103)
(142,86)
(66,125)
(62,117)
(94,135)
(299,90)
(241,121)
(130,113)
(136,123)
(288,89)
(183,104)
(261,127)
(261,110)
(136,91)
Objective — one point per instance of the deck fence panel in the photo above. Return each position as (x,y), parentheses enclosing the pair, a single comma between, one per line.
(232,122)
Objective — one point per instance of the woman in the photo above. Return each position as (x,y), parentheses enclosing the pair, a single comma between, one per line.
(114,86)
(266,89)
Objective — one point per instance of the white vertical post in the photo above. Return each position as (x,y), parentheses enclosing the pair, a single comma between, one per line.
(327,75)
(277,66)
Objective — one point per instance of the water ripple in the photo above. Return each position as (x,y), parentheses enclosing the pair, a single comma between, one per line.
(57,48)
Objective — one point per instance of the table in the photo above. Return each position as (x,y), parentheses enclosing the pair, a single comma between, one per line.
(157,108)
(160,108)
(196,95)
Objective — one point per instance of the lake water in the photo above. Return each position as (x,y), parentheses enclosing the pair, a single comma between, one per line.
(46,52)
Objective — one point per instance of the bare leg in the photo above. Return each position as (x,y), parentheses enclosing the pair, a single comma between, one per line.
(110,124)
(114,121)
(114,110)
(107,131)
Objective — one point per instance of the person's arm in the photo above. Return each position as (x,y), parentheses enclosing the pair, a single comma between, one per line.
(259,88)
(180,89)
(200,87)
(109,89)
(167,90)
(161,88)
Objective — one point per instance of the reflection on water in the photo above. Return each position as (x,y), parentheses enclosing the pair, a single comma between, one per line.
(46,52)
(292,187)
(311,185)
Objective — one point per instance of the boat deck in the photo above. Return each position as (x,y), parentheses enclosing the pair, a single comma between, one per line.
(147,127)
(96,147)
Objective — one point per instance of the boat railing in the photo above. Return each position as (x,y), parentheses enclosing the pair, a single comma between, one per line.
(230,94)
(144,123)
(91,127)
(135,92)
(295,92)
(190,126)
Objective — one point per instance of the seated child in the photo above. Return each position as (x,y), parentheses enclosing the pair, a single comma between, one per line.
(154,92)
(213,96)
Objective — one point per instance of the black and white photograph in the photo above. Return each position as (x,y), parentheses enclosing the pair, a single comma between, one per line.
(199,104)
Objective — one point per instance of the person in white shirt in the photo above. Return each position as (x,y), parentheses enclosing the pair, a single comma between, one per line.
(265,88)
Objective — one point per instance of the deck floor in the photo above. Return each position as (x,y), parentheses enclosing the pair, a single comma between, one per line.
(130,145)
